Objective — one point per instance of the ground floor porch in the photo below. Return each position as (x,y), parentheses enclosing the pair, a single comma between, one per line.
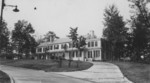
(88,55)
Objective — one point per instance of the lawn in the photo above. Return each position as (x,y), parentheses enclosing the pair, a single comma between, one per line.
(136,72)
(4,78)
(47,65)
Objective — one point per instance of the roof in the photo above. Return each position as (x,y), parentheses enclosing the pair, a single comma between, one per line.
(62,40)
(57,41)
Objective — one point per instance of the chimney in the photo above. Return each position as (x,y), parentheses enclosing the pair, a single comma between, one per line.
(92,34)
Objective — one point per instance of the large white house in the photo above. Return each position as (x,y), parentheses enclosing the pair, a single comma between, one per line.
(92,51)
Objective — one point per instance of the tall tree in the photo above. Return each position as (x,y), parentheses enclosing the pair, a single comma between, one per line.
(4,36)
(140,21)
(22,37)
(65,47)
(74,37)
(81,42)
(115,30)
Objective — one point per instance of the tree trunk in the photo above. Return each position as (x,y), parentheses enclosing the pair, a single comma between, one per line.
(79,54)
(69,64)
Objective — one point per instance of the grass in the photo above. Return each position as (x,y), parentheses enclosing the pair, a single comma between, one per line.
(47,65)
(136,72)
(4,78)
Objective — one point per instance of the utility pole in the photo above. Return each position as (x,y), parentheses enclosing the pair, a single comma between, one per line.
(2,7)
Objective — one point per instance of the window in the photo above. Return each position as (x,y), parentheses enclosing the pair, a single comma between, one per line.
(77,53)
(39,49)
(80,54)
(74,54)
(62,46)
(94,54)
(56,46)
(44,49)
(95,43)
(47,47)
(50,47)
(89,54)
(88,44)
(98,53)
(92,43)
(70,55)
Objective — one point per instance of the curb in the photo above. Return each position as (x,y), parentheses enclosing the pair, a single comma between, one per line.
(11,79)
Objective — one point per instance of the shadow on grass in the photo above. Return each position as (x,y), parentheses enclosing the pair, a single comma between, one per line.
(48,65)
(4,78)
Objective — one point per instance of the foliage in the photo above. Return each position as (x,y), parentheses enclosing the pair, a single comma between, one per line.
(22,38)
(73,36)
(81,42)
(115,31)
(78,43)
(4,78)
(140,21)
(4,36)
(50,36)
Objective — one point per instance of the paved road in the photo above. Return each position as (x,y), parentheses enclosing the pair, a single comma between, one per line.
(22,75)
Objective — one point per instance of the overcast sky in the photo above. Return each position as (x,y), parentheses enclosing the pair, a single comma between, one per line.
(59,15)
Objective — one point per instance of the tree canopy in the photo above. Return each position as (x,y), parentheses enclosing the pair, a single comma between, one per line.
(22,37)
(50,36)
(140,21)
(115,31)
(4,36)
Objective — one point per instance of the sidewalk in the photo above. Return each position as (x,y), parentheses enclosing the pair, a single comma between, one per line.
(100,72)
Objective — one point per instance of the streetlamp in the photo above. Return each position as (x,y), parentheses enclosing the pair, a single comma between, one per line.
(3,5)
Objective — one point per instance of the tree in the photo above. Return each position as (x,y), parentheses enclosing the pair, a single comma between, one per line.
(115,31)
(65,47)
(22,38)
(81,42)
(140,21)
(50,36)
(4,36)
(74,37)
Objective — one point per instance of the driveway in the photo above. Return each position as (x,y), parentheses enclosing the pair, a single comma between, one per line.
(100,72)
(22,75)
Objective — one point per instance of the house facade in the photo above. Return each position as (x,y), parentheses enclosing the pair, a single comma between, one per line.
(55,48)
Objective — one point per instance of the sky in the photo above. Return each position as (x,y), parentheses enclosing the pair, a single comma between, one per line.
(59,15)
